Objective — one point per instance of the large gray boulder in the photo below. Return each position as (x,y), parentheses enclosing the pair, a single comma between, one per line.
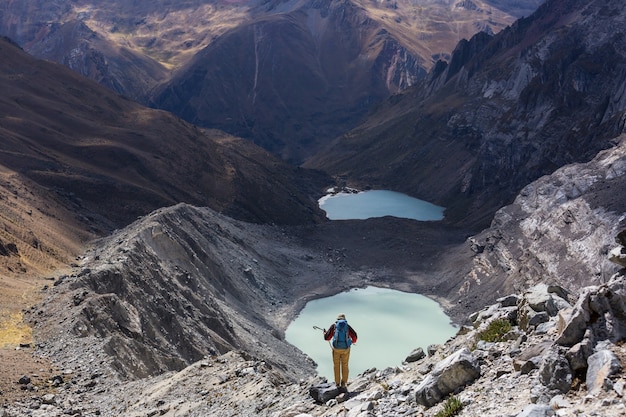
(602,365)
(324,392)
(555,372)
(606,304)
(449,375)
(539,303)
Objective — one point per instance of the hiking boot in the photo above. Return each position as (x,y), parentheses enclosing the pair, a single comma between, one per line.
(343,388)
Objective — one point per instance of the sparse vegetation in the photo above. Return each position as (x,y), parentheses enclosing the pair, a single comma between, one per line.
(451,407)
(13,331)
(496,330)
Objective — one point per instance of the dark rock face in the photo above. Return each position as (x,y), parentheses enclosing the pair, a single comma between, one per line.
(291,81)
(546,92)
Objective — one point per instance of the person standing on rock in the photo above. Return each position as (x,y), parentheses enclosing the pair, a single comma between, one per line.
(342,336)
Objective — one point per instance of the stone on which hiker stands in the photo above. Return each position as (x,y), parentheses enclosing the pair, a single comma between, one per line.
(324,392)
(447,376)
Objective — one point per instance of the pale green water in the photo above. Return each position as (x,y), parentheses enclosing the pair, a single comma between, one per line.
(378,203)
(389,323)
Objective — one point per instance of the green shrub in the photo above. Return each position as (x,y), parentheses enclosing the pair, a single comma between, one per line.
(495,331)
(451,407)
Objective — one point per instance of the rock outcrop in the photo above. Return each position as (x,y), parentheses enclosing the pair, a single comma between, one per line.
(559,230)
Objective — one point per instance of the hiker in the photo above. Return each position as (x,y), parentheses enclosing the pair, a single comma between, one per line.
(342,335)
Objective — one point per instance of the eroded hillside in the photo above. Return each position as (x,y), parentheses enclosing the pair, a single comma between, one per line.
(78,161)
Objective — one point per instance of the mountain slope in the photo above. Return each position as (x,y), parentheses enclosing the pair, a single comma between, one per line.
(304,72)
(288,75)
(292,79)
(546,92)
(77,161)
(122,160)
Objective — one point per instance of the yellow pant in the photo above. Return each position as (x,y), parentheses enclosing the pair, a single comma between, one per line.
(340,362)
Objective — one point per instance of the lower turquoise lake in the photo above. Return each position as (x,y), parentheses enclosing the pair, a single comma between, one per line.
(378,203)
(389,324)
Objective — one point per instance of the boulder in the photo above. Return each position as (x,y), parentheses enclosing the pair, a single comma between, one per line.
(24,380)
(548,298)
(531,354)
(606,304)
(432,349)
(535,410)
(416,355)
(324,392)
(509,301)
(448,376)
(618,256)
(49,399)
(572,323)
(578,354)
(555,372)
(601,365)
(539,303)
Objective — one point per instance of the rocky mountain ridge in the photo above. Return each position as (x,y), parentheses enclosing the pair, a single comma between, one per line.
(78,161)
(557,356)
(505,110)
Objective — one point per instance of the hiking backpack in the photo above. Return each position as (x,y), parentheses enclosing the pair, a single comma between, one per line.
(341,339)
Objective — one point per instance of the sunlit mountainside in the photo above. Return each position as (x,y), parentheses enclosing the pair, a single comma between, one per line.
(288,75)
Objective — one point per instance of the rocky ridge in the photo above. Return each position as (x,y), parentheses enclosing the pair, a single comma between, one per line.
(558,230)
(561,356)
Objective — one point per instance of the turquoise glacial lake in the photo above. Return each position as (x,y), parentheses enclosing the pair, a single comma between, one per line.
(389,324)
(378,203)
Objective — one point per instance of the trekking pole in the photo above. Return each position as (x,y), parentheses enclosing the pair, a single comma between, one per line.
(324,331)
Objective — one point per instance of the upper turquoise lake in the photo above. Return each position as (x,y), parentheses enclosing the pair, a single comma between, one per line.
(378,203)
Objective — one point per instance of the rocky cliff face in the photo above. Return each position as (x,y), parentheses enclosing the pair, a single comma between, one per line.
(504,111)
(558,230)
